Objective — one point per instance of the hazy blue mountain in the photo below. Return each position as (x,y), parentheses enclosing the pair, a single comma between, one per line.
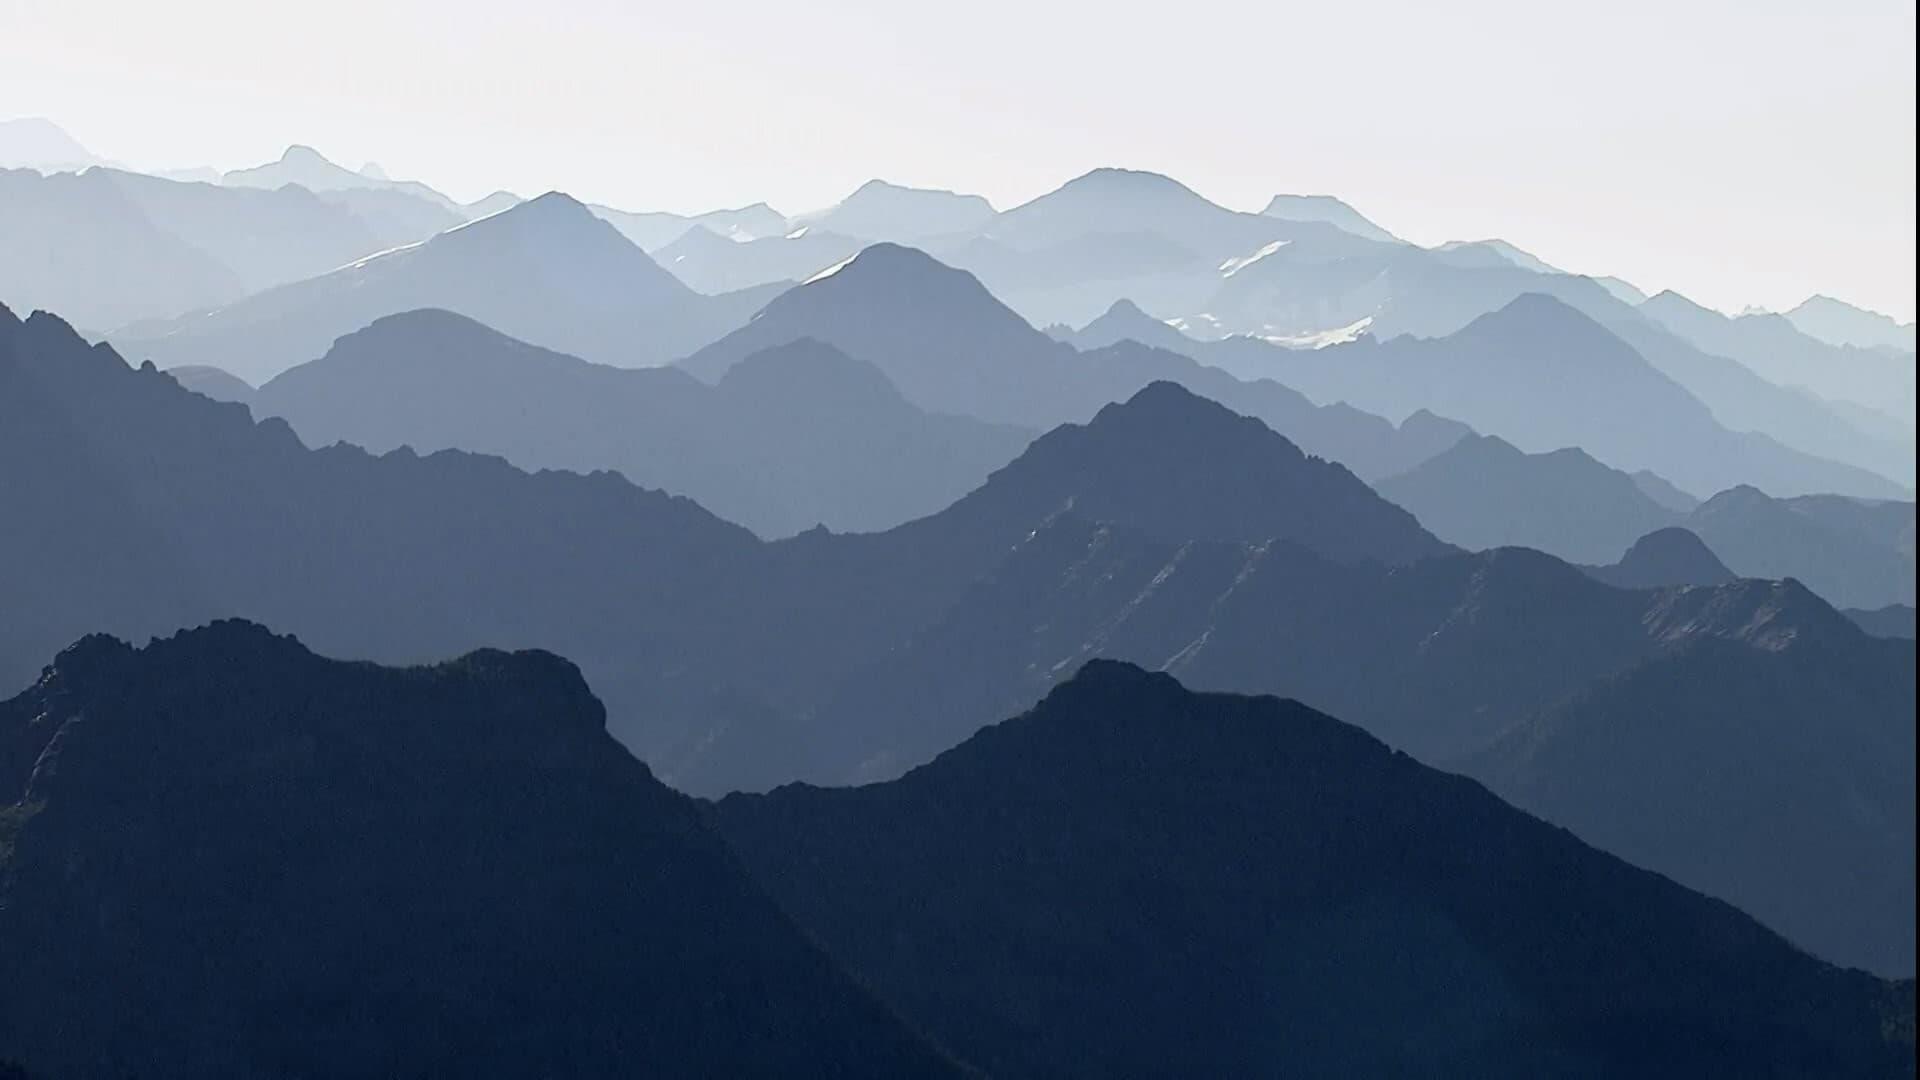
(1066,256)
(115,247)
(78,244)
(1892,621)
(1542,375)
(1657,488)
(651,231)
(1853,552)
(1131,878)
(952,347)
(308,168)
(878,210)
(214,383)
(545,271)
(224,855)
(492,204)
(34,142)
(1666,556)
(1775,348)
(1484,493)
(1839,323)
(1306,291)
(1328,210)
(797,436)
(711,263)
(1493,252)
(1778,779)
(1624,291)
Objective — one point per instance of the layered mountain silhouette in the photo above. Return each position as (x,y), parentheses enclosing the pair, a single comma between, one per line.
(34,142)
(1892,621)
(1854,552)
(212,382)
(711,263)
(653,230)
(1484,493)
(1327,209)
(730,663)
(1668,556)
(1777,349)
(796,436)
(1837,322)
(1131,878)
(545,271)
(878,210)
(1542,375)
(951,347)
(308,168)
(223,855)
(1726,768)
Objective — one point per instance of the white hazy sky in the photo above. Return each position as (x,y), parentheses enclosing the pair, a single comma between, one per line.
(1742,152)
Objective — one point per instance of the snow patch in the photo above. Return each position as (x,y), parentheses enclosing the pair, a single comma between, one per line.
(1320,339)
(831,270)
(1241,262)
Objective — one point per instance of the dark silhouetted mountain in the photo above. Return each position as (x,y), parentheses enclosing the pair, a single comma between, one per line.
(34,142)
(1775,348)
(1892,621)
(224,855)
(882,211)
(797,436)
(1483,493)
(546,271)
(1656,487)
(214,383)
(1663,557)
(711,263)
(951,347)
(1132,879)
(1853,552)
(655,230)
(1327,209)
(1780,779)
(1839,323)
(1542,375)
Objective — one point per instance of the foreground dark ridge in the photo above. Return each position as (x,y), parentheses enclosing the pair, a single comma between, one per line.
(221,855)
(1133,879)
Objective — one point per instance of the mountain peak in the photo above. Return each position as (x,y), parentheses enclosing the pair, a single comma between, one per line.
(302,154)
(1672,556)
(1111,178)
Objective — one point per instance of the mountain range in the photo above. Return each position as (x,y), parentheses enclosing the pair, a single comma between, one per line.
(1484,493)
(545,271)
(795,436)
(731,663)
